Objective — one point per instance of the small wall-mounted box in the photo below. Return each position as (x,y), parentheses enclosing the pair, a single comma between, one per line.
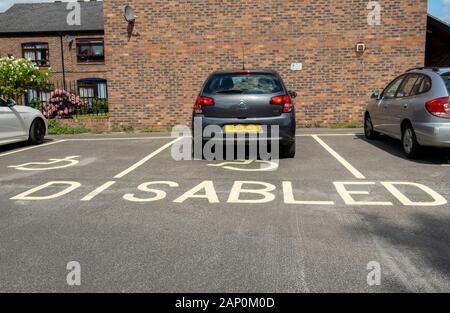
(296,66)
(360,47)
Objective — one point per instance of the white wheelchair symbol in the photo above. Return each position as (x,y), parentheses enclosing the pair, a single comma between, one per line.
(264,167)
(69,161)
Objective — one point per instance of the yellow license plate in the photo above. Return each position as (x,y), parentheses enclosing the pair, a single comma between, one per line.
(242,128)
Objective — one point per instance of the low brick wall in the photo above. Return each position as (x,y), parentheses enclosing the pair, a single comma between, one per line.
(97,124)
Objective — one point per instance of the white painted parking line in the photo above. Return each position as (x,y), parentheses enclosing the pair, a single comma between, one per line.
(170,137)
(33,147)
(148,157)
(328,135)
(341,160)
(118,138)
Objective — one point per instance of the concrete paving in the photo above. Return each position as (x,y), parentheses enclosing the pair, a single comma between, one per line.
(342,205)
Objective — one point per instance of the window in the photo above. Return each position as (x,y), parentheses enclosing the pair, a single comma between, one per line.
(3,103)
(391,89)
(33,97)
(37,52)
(93,88)
(90,50)
(407,86)
(422,85)
(243,84)
(446,78)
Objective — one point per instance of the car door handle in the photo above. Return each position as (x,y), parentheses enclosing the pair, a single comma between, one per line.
(405,105)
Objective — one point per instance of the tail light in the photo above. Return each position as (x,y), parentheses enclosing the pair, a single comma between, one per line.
(439,107)
(201,102)
(285,101)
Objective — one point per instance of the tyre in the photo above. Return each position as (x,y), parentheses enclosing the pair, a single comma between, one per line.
(37,132)
(369,131)
(409,142)
(288,151)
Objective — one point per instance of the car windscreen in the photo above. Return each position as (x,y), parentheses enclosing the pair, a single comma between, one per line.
(446,78)
(243,84)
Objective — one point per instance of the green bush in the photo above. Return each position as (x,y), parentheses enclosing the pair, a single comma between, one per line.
(19,75)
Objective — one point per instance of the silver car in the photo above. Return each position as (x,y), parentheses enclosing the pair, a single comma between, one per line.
(415,108)
(21,123)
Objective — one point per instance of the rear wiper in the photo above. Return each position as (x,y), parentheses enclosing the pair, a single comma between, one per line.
(230,91)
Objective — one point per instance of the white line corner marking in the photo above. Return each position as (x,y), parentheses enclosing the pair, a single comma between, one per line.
(148,157)
(341,160)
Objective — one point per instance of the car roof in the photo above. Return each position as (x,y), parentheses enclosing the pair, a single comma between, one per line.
(249,71)
(437,70)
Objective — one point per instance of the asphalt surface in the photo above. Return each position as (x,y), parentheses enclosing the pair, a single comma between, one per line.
(192,245)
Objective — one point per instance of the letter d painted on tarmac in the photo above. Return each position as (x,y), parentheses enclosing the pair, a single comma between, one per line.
(71,186)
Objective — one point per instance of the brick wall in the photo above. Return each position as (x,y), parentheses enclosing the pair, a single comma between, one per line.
(93,124)
(73,69)
(155,76)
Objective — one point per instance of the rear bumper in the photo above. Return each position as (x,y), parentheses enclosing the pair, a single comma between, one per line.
(433,134)
(285,122)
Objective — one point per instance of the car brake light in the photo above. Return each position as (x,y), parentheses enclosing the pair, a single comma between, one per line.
(285,101)
(201,102)
(439,107)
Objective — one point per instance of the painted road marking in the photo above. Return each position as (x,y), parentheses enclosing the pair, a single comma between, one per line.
(28,166)
(264,167)
(170,137)
(329,135)
(147,158)
(98,191)
(118,138)
(33,147)
(262,192)
(341,160)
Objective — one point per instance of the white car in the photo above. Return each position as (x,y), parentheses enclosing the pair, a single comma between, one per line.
(21,123)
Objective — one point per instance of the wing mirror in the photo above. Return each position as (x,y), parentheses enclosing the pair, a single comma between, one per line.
(11,103)
(375,95)
(293,94)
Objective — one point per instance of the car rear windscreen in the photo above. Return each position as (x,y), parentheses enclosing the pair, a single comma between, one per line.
(243,84)
(446,78)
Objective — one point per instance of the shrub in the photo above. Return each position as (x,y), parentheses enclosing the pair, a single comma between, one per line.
(61,104)
(18,75)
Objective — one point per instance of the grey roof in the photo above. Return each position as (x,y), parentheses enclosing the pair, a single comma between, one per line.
(50,17)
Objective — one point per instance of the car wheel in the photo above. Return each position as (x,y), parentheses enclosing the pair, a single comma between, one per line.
(37,132)
(288,151)
(369,131)
(409,142)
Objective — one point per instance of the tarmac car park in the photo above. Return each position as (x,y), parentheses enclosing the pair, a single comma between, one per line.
(142,221)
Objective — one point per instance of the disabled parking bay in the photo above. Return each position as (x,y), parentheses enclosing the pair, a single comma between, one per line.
(137,220)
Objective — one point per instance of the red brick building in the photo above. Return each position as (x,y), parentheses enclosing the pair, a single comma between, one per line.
(438,43)
(155,68)
(156,73)
(75,53)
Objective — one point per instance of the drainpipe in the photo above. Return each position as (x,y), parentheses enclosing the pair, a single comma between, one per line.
(62,62)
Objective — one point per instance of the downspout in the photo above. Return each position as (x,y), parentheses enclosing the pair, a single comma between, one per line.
(62,62)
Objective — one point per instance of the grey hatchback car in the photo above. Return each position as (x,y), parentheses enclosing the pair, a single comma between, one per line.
(247,101)
(415,108)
